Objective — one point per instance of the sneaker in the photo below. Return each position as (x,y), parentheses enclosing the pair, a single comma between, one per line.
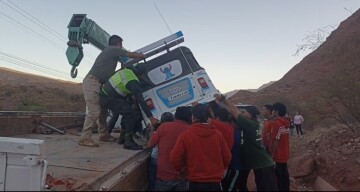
(88,142)
(106,138)
(132,146)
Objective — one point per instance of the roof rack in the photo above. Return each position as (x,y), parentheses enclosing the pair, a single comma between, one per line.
(157,47)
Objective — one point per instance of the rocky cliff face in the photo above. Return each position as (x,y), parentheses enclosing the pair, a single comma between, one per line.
(308,79)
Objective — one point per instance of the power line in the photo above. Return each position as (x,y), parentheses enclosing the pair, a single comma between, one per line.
(53,32)
(27,66)
(33,63)
(33,32)
(24,61)
(39,23)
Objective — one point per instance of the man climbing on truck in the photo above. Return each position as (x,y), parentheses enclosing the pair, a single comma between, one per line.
(100,72)
(113,96)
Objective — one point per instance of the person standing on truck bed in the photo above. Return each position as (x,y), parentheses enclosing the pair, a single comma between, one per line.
(101,71)
(103,68)
(113,96)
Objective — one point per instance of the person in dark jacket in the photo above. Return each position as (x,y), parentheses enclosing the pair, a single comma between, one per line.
(113,96)
(237,175)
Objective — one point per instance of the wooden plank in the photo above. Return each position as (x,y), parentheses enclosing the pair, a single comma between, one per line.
(136,180)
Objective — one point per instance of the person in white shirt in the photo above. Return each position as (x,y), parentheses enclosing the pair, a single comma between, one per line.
(298,121)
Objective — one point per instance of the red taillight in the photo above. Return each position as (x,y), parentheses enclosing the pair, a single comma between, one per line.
(150,104)
(202,82)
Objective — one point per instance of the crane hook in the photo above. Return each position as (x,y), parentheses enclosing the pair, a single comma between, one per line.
(73,72)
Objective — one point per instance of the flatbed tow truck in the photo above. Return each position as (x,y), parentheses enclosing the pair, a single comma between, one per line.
(51,159)
(57,162)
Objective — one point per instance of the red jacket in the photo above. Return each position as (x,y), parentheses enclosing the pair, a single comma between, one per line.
(280,131)
(203,150)
(165,137)
(266,133)
(226,129)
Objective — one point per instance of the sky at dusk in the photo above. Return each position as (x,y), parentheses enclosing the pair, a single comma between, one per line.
(241,44)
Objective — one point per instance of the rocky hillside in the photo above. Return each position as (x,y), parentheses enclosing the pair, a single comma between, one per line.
(310,80)
(22,91)
(322,84)
(331,153)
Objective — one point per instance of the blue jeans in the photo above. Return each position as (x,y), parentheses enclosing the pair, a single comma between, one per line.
(152,173)
(171,185)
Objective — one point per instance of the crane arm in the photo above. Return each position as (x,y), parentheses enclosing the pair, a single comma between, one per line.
(83,31)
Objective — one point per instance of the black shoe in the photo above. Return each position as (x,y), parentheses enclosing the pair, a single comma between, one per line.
(121,139)
(132,146)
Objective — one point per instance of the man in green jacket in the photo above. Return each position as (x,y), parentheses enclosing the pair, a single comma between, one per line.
(114,93)
(253,153)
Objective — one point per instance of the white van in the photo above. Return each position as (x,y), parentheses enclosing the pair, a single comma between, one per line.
(174,78)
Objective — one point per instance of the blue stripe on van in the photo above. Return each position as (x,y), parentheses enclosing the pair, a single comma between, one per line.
(176,94)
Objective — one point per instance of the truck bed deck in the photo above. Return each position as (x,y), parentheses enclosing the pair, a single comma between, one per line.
(107,167)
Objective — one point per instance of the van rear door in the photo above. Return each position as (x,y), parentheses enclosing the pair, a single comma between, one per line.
(176,79)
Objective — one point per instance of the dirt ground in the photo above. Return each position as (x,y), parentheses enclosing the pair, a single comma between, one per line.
(329,152)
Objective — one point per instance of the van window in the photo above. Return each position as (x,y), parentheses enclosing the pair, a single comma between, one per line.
(165,72)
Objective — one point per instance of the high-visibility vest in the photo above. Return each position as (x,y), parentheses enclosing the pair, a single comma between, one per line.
(119,81)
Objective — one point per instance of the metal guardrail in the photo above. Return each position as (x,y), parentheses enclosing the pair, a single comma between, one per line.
(39,118)
(29,114)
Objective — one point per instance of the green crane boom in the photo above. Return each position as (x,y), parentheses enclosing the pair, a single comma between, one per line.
(83,31)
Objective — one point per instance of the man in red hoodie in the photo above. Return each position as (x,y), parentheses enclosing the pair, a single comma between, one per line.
(221,123)
(204,152)
(279,147)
